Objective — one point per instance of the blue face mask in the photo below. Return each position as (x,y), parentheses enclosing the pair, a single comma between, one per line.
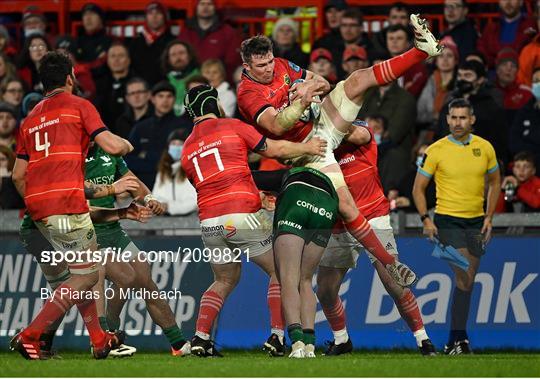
(175,151)
(378,138)
(536,90)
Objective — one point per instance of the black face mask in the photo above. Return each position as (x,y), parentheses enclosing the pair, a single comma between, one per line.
(464,86)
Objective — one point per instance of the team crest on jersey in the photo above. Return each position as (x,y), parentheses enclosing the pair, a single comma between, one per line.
(295,67)
(107,160)
(287,79)
(90,234)
(89,159)
(42,119)
(476,152)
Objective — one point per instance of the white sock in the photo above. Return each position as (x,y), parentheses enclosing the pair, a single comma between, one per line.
(202,335)
(420,336)
(340,336)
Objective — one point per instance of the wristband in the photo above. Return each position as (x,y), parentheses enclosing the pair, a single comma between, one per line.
(149,198)
(423,217)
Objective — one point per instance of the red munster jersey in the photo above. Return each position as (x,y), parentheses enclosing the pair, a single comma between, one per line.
(254,98)
(54,140)
(359,167)
(214,158)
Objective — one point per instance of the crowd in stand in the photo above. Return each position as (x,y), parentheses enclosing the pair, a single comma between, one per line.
(138,85)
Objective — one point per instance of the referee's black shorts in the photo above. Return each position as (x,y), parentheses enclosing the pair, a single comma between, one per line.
(461,232)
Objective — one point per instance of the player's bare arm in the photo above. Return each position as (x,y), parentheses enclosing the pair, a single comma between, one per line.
(322,82)
(358,135)
(494,184)
(113,144)
(96,191)
(144,194)
(419,195)
(18,175)
(287,150)
(134,212)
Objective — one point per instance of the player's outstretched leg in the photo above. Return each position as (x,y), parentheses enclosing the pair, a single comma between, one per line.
(329,280)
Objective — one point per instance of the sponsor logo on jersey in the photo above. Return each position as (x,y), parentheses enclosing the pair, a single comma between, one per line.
(107,160)
(295,67)
(389,246)
(212,231)
(43,124)
(476,152)
(231,229)
(287,79)
(289,223)
(267,241)
(89,159)
(90,234)
(320,211)
(68,245)
(346,160)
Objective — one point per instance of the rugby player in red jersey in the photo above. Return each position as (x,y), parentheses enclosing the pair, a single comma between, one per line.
(233,222)
(359,167)
(263,99)
(49,174)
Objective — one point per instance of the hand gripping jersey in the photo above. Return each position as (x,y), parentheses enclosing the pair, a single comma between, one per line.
(215,161)
(255,97)
(54,140)
(359,167)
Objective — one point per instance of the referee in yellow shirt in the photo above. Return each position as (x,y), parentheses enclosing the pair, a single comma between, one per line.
(460,163)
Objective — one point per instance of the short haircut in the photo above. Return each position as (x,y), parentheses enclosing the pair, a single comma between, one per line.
(354,13)
(525,156)
(54,69)
(478,68)
(196,79)
(400,7)
(138,79)
(214,62)
(258,45)
(399,27)
(461,103)
(119,43)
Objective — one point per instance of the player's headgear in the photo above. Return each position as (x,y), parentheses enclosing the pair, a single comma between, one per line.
(202,100)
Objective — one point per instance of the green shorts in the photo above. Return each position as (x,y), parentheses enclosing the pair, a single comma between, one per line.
(307,212)
(111,236)
(461,233)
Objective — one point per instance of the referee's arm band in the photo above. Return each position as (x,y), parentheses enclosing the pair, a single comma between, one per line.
(426,174)
(493,169)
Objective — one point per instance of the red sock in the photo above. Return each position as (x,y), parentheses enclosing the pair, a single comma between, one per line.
(391,69)
(88,311)
(336,316)
(274,305)
(408,308)
(211,304)
(52,309)
(361,230)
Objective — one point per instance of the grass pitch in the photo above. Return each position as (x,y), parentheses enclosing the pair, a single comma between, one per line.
(254,363)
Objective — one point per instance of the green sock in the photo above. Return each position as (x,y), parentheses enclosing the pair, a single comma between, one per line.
(175,336)
(309,336)
(295,333)
(114,324)
(103,323)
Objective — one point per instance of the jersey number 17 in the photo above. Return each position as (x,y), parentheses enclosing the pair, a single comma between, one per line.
(215,153)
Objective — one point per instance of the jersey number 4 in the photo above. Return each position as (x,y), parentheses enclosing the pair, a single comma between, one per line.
(43,146)
(214,152)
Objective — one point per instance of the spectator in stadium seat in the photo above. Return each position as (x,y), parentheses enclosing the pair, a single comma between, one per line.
(211,38)
(285,40)
(146,49)
(321,63)
(7,69)
(6,46)
(529,57)
(214,71)
(172,188)
(525,130)
(525,183)
(515,95)
(490,121)
(149,136)
(459,27)
(12,92)
(138,106)
(9,197)
(398,40)
(398,14)
(8,124)
(35,47)
(179,63)
(333,11)
(354,58)
(399,108)
(440,83)
(93,41)
(85,82)
(351,33)
(33,22)
(514,29)
(111,87)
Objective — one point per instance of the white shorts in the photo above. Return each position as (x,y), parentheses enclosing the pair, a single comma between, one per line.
(324,127)
(343,248)
(249,232)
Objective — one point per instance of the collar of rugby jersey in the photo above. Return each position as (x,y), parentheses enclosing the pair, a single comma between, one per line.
(453,140)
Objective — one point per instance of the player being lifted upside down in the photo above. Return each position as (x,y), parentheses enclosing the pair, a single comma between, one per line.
(215,160)
(263,99)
